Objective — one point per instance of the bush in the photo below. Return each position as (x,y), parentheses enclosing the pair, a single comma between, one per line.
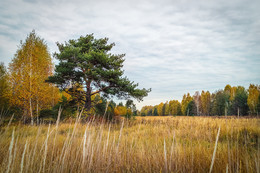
(47,113)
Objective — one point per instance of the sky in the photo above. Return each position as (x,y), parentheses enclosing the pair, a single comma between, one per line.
(171,46)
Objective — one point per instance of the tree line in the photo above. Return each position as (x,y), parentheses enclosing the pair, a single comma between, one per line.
(234,100)
(86,78)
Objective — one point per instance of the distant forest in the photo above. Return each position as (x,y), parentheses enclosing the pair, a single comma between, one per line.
(234,100)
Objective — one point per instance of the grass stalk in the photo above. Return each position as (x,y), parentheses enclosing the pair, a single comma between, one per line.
(214,153)
(10,153)
(22,161)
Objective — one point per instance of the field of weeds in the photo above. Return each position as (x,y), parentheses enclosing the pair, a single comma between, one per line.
(146,144)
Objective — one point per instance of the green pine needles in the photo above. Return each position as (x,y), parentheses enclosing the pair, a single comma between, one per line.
(87,68)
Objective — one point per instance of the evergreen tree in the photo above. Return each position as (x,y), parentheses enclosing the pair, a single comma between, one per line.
(239,104)
(155,111)
(87,64)
(219,103)
(191,109)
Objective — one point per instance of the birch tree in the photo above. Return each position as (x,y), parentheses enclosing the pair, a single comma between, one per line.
(30,67)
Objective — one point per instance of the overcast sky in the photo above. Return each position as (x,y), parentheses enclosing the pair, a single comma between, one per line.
(171,46)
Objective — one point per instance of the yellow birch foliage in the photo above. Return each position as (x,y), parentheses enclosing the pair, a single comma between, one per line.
(205,102)
(186,99)
(233,93)
(160,109)
(29,69)
(252,100)
(4,88)
(120,110)
(174,107)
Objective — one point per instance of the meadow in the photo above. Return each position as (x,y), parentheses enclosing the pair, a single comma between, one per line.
(146,144)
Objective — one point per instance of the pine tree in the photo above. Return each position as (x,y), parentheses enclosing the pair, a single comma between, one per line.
(86,64)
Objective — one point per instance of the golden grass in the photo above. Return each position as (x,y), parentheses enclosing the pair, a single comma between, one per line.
(147,144)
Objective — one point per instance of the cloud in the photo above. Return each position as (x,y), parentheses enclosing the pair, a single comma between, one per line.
(173,47)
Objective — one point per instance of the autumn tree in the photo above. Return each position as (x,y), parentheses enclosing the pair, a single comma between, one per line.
(4,88)
(160,109)
(175,107)
(166,105)
(230,92)
(228,89)
(233,93)
(197,101)
(147,111)
(186,99)
(253,99)
(30,67)
(87,63)
(120,111)
(205,102)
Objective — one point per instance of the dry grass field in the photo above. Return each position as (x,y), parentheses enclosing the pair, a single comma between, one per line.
(146,144)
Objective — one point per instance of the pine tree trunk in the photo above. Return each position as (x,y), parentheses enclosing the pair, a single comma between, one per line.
(88,97)
(88,103)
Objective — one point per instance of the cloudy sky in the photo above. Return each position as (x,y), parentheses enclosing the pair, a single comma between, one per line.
(171,46)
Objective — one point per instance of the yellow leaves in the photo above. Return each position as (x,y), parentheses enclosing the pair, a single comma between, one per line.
(120,111)
(147,110)
(65,94)
(174,107)
(206,99)
(185,101)
(233,93)
(160,109)
(29,69)
(4,88)
(228,89)
(252,99)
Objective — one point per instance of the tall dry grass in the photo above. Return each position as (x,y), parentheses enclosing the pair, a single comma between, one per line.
(149,144)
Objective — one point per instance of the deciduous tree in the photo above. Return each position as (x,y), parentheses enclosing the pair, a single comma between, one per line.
(197,101)
(29,69)
(205,102)
(175,107)
(4,88)
(253,99)
(186,99)
(160,109)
